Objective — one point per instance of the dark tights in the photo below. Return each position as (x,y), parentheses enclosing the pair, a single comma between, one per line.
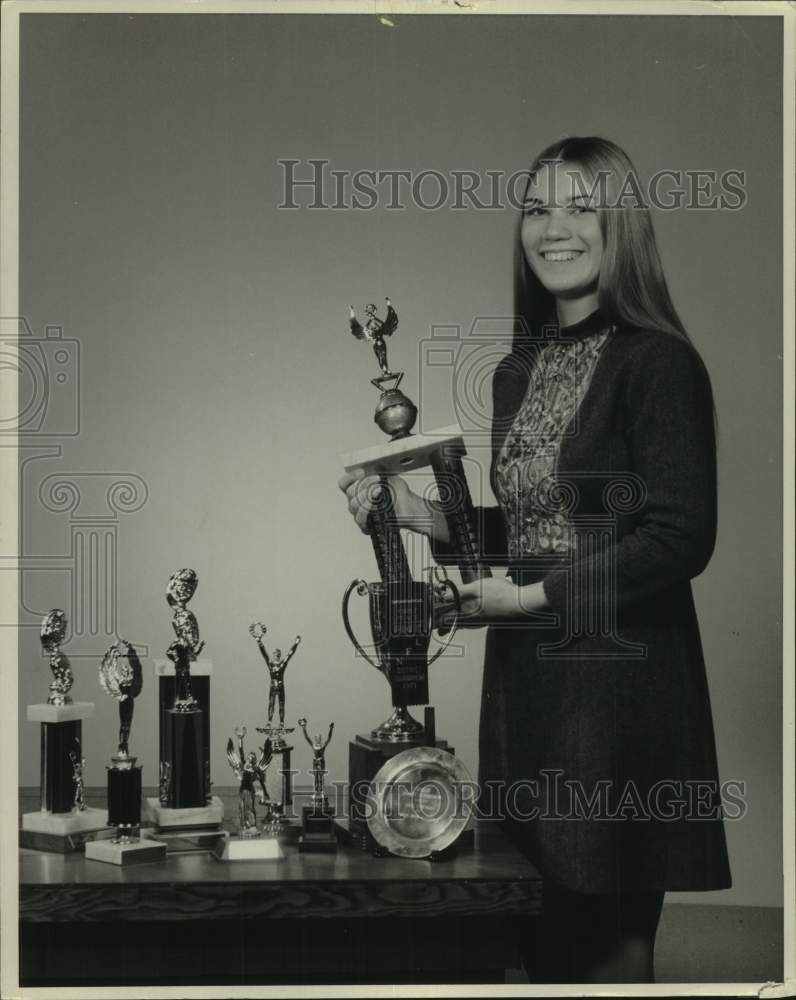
(595,938)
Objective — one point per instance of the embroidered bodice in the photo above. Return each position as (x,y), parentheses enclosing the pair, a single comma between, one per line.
(527,464)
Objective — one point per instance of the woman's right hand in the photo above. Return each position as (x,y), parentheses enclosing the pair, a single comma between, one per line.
(362,492)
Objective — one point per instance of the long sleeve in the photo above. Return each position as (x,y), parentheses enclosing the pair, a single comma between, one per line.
(670,437)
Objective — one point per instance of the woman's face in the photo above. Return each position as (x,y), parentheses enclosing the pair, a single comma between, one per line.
(561,233)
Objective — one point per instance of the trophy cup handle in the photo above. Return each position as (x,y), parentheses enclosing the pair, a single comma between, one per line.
(439,588)
(362,588)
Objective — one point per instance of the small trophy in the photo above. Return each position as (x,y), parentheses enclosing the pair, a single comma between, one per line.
(251,844)
(277,733)
(63,823)
(185,813)
(121,677)
(403,611)
(317,820)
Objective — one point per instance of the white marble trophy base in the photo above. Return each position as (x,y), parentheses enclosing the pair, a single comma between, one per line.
(180,819)
(404,454)
(135,852)
(42,712)
(248,849)
(65,824)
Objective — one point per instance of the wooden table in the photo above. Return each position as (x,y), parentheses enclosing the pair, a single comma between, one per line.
(308,918)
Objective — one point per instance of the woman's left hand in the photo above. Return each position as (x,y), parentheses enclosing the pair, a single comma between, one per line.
(491,600)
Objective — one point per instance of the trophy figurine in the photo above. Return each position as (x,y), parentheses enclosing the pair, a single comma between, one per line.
(395,413)
(53,633)
(249,769)
(78,764)
(185,813)
(317,820)
(121,677)
(404,612)
(277,664)
(63,823)
(187,646)
(251,844)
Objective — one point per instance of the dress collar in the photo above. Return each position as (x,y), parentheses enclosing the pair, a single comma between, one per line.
(591,324)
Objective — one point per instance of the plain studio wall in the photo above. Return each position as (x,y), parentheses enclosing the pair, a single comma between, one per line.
(208,330)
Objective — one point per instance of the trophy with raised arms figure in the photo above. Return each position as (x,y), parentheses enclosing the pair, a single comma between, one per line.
(317,819)
(275,729)
(252,842)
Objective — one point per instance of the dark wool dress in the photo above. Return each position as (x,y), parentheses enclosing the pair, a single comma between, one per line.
(596,733)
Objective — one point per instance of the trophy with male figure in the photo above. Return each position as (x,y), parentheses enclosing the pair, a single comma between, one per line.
(277,732)
(317,820)
(185,812)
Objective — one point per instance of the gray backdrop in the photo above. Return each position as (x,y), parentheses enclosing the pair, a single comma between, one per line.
(215,364)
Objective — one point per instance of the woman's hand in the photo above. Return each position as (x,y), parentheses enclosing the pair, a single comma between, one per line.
(490,601)
(363,491)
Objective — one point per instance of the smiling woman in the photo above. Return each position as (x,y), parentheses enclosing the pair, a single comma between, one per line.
(562,239)
(604,467)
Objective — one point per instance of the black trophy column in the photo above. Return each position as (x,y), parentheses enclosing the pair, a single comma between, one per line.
(457,506)
(200,690)
(186,730)
(58,740)
(400,611)
(124,796)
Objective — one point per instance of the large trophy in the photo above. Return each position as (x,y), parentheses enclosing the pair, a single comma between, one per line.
(252,842)
(277,732)
(121,677)
(403,611)
(63,823)
(317,819)
(185,813)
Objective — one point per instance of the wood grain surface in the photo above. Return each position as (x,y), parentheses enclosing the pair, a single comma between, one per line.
(492,879)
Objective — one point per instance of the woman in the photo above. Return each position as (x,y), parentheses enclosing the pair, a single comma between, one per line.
(595,719)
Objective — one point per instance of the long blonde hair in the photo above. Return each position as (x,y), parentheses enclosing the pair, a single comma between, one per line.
(632,290)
